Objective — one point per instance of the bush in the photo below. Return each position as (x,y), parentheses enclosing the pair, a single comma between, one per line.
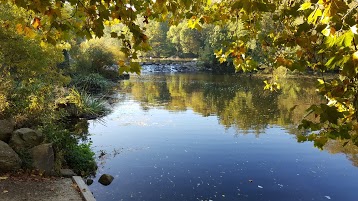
(81,159)
(92,83)
(98,56)
(94,59)
(68,151)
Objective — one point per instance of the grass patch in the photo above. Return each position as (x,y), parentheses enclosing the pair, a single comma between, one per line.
(82,105)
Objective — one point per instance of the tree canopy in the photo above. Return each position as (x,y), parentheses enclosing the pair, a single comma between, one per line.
(299,35)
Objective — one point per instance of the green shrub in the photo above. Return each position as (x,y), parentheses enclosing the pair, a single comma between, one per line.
(68,151)
(81,159)
(92,83)
(98,56)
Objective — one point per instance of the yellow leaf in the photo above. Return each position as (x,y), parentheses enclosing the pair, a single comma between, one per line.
(222,60)
(305,6)
(325,19)
(29,32)
(36,23)
(218,53)
(19,29)
(312,18)
(43,44)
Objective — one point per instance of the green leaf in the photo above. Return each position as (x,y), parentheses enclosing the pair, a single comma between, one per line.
(135,67)
(345,39)
(330,62)
(123,69)
(330,41)
(330,114)
(306,124)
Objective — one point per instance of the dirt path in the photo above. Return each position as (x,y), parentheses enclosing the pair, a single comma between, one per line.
(37,188)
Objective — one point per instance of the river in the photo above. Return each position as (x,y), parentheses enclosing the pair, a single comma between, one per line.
(199,136)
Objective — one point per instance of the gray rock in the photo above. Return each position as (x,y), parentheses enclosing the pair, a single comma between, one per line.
(9,160)
(6,129)
(43,158)
(106,179)
(26,138)
(67,173)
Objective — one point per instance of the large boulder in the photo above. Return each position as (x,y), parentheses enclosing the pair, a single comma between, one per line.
(26,138)
(6,129)
(9,160)
(43,158)
(106,179)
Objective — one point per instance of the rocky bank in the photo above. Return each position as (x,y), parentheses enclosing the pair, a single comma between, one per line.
(27,144)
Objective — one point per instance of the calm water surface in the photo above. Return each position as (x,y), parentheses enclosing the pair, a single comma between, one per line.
(205,137)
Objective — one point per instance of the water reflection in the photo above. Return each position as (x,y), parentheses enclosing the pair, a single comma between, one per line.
(175,136)
(237,101)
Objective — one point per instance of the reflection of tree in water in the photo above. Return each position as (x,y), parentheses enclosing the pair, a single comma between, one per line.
(349,149)
(239,102)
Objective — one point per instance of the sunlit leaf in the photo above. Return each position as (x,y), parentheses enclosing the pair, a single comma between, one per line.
(305,6)
(313,17)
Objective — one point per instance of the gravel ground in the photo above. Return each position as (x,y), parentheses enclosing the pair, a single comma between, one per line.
(37,188)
